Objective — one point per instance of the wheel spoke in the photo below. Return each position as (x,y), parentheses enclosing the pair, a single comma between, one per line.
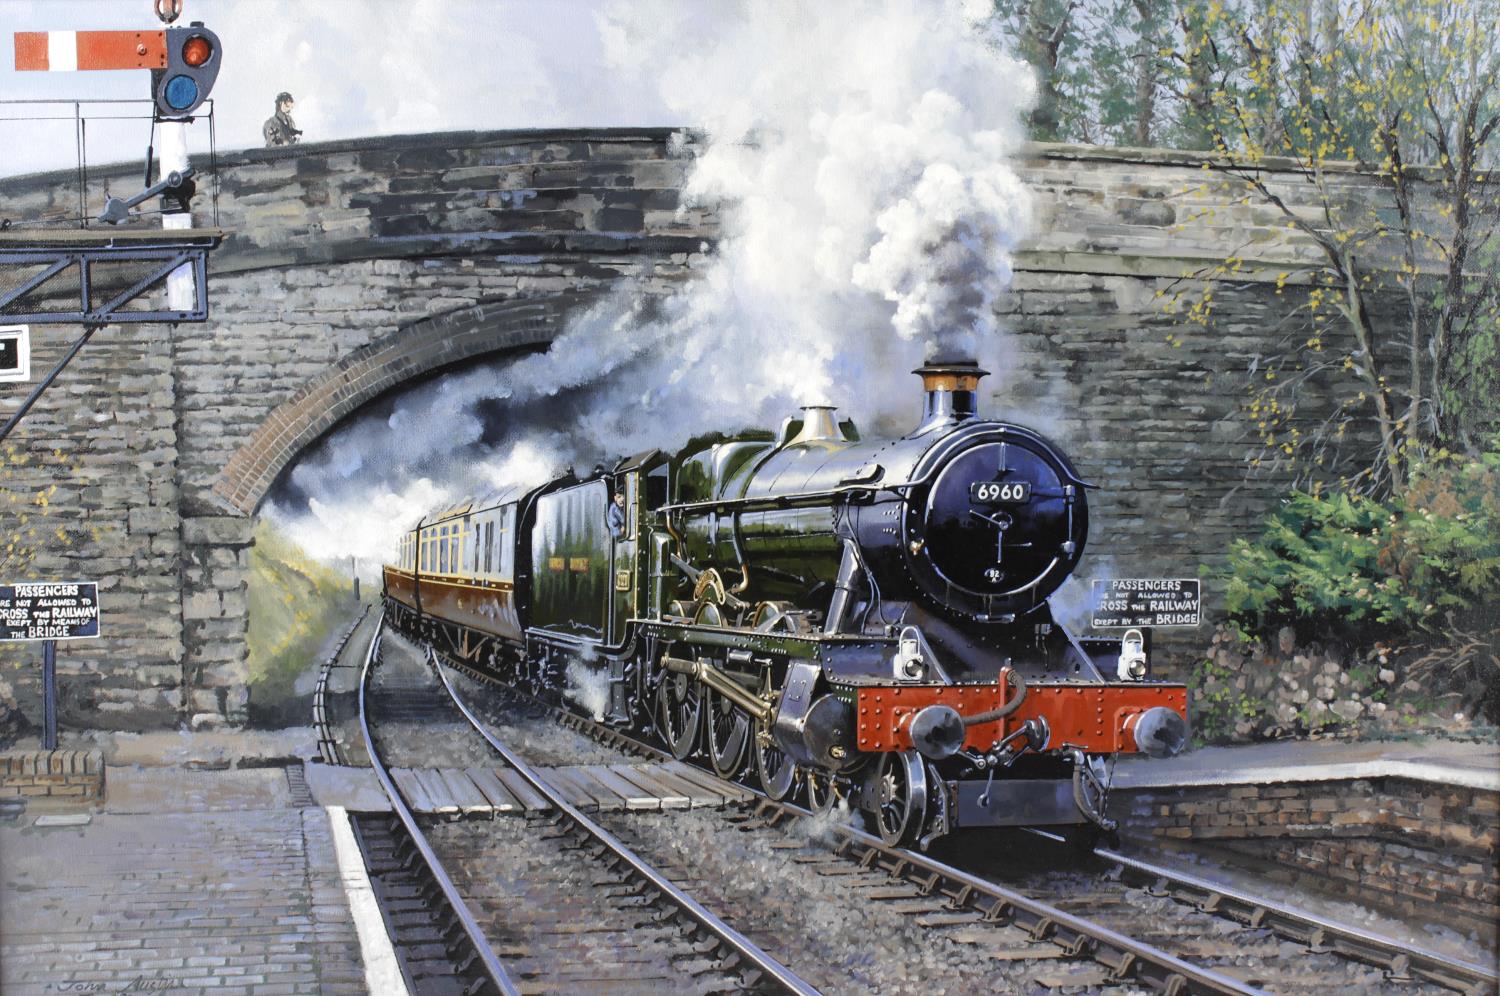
(778,773)
(679,704)
(728,735)
(900,782)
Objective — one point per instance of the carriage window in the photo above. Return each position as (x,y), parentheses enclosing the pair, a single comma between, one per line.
(443,550)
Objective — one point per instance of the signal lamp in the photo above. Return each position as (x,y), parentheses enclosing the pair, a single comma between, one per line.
(180,93)
(193,59)
(197,50)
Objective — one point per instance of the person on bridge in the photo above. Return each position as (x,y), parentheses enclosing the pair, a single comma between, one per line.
(279,128)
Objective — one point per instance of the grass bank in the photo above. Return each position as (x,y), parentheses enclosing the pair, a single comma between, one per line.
(297,606)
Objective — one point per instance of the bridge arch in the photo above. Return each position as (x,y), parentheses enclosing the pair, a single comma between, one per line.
(412,352)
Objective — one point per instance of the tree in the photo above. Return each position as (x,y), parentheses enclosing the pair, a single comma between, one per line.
(1043,31)
(1346,94)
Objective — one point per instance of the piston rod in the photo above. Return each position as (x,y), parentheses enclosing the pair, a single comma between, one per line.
(704,672)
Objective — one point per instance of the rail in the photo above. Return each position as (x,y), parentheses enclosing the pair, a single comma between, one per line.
(707,919)
(1399,959)
(481,945)
(328,745)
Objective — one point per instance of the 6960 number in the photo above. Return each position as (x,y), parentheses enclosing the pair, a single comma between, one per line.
(1000,492)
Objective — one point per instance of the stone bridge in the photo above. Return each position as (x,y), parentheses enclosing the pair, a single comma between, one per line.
(352,268)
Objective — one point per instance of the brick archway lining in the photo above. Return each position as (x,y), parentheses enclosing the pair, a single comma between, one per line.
(369,372)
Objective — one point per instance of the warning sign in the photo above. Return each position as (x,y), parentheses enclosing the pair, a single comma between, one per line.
(15,353)
(1140,602)
(67,610)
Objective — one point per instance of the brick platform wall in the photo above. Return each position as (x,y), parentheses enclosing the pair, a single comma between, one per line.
(1410,847)
(72,774)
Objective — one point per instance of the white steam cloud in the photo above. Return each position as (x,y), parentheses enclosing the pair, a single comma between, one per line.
(588,688)
(859,159)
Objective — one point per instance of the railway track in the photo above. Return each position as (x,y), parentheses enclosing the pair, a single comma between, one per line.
(1158,927)
(329,748)
(549,902)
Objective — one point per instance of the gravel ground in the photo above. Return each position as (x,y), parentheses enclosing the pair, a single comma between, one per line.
(563,923)
(1433,937)
(536,736)
(414,723)
(1049,873)
(842,929)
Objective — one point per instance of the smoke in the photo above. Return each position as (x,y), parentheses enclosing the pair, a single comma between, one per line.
(858,158)
(588,688)
(1073,602)
(822,828)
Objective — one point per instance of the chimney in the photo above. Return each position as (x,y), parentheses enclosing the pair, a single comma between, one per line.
(952,391)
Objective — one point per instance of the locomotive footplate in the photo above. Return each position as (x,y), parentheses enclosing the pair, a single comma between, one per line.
(1094,717)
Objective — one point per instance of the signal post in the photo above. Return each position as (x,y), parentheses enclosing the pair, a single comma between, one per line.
(183,63)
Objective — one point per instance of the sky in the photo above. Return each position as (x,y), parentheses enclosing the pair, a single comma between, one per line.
(857,153)
(355,67)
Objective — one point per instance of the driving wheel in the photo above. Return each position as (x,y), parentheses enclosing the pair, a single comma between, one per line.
(679,708)
(777,771)
(728,731)
(824,790)
(900,796)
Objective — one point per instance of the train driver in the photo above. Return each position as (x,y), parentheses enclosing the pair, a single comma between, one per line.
(615,517)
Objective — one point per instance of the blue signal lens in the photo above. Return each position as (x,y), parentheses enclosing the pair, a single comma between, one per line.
(181,92)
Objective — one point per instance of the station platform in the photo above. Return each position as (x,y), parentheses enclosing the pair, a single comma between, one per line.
(228,881)
(1464,764)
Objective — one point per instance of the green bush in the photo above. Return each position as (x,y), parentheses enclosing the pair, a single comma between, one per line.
(1354,569)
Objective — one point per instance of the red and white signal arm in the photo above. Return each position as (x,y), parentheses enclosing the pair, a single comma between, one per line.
(184,62)
(15,353)
(70,51)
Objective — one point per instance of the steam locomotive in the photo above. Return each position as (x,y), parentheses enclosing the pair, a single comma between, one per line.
(865,621)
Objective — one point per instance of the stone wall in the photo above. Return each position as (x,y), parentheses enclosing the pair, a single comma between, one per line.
(1412,847)
(353,267)
(333,260)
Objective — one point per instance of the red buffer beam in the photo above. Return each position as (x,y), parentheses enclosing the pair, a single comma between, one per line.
(67,51)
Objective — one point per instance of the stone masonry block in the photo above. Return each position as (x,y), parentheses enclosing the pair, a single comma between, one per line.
(202,605)
(218,530)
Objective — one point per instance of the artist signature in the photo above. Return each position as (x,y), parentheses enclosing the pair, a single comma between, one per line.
(139,984)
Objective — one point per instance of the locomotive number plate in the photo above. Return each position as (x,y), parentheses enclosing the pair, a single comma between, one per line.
(1000,492)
